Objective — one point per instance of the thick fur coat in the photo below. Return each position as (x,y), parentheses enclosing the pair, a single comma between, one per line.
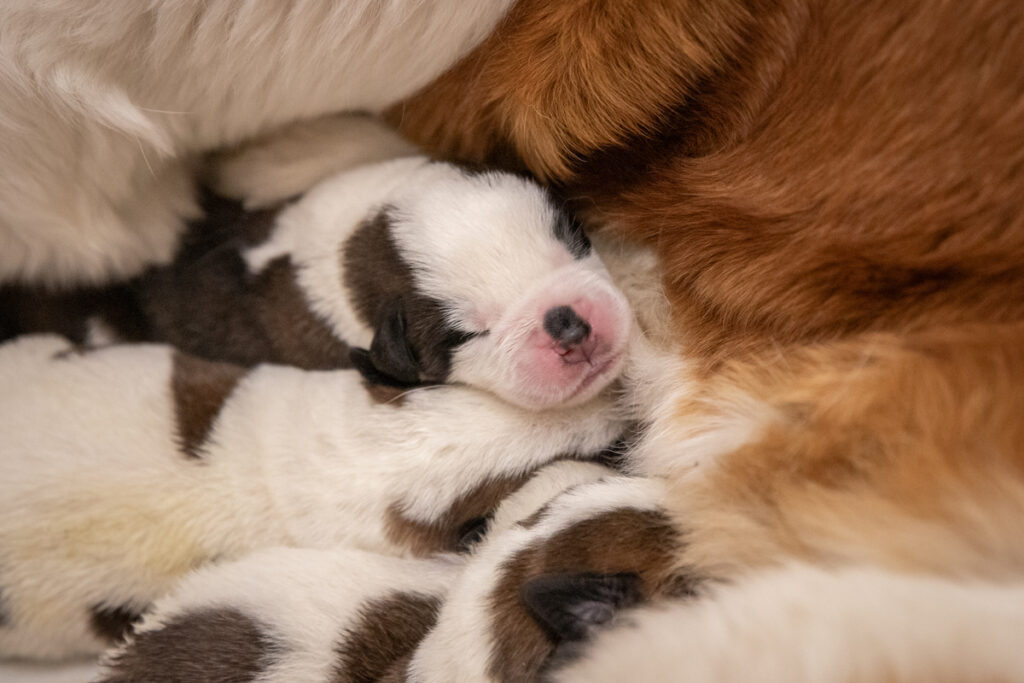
(105,108)
(835,197)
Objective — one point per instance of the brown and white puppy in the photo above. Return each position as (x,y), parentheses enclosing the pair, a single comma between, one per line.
(530,594)
(291,614)
(288,614)
(434,273)
(150,463)
(104,110)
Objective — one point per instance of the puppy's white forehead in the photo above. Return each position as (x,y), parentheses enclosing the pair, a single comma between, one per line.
(476,241)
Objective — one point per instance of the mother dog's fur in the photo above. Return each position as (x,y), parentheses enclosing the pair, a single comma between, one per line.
(104,107)
(836,196)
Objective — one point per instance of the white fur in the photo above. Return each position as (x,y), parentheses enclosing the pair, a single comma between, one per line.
(544,485)
(801,624)
(98,504)
(103,106)
(303,601)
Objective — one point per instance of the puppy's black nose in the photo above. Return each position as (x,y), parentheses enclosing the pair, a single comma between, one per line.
(565,326)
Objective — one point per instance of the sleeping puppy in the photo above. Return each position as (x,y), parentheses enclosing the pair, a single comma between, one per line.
(104,110)
(330,614)
(288,614)
(436,274)
(531,595)
(154,462)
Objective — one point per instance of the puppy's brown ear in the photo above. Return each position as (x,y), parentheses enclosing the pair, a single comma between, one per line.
(391,359)
(568,607)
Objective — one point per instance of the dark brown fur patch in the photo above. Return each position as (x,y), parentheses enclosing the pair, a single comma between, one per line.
(444,533)
(398,672)
(643,542)
(28,310)
(380,645)
(206,303)
(112,623)
(200,388)
(213,307)
(212,646)
(209,304)
(296,334)
(376,276)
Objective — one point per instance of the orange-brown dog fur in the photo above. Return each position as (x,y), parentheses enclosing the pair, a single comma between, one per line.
(836,193)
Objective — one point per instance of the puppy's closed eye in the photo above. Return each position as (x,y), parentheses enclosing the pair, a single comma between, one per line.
(391,360)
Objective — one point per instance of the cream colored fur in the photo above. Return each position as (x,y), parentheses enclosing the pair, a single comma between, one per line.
(104,106)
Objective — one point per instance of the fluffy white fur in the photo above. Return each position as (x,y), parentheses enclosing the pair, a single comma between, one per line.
(803,624)
(98,504)
(103,106)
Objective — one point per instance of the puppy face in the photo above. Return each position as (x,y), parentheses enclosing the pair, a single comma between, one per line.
(496,288)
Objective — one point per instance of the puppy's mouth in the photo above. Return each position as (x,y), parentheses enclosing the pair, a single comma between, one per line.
(593,373)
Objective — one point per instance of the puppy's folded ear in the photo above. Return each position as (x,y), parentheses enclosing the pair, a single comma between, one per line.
(569,606)
(391,360)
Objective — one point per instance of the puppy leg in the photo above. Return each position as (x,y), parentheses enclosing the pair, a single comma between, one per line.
(289,161)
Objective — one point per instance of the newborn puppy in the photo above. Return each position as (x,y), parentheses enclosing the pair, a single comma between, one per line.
(285,615)
(434,273)
(531,596)
(150,463)
(330,616)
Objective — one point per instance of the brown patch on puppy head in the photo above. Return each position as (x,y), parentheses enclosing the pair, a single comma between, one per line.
(413,342)
(296,334)
(447,532)
(380,646)
(200,388)
(620,543)
(112,623)
(221,645)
